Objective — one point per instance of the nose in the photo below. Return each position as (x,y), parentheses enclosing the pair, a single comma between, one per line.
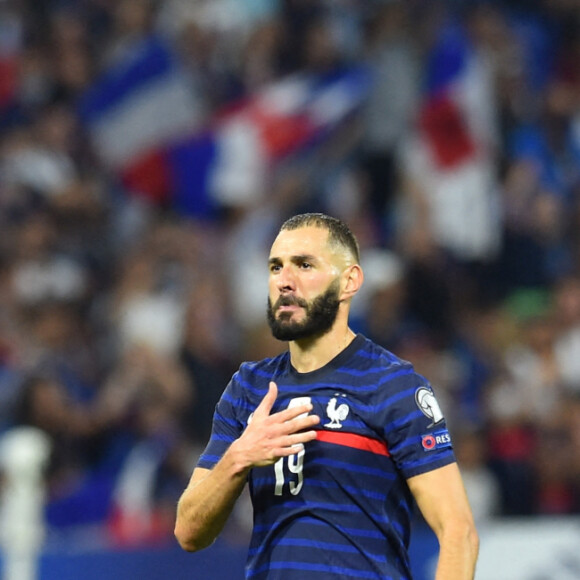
(285,281)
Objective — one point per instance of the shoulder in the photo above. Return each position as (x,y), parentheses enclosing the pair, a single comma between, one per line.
(372,355)
(394,378)
(252,372)
(248,386)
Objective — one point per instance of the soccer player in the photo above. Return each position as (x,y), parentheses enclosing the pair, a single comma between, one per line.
(337,437)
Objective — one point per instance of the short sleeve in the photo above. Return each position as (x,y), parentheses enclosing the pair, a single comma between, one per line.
(412,424)
(226,427)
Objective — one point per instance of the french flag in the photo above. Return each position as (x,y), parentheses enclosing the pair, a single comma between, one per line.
(455,116)
(450,156)
(147,126)
(141,106)
(288,118)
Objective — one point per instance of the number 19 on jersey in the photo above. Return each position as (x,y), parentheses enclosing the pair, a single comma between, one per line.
(295,462)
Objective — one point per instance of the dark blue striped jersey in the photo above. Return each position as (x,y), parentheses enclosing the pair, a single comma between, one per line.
(341,507)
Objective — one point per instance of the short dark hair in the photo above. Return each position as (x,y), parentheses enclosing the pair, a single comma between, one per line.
(338,232)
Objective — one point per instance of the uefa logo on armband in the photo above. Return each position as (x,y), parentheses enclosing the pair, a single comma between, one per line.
(428,405)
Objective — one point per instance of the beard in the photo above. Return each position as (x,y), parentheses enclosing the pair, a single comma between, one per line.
(320,314)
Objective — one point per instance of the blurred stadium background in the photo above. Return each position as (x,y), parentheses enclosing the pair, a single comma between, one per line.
(148,152)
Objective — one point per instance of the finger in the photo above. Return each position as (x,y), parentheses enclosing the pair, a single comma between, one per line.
(303,423)
(294,421)
(301,438)
(268,401)
(292,450)
(295,443)
(308,422)
(294,412)
(298,427)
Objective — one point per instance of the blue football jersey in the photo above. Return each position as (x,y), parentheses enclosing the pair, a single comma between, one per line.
(340,508)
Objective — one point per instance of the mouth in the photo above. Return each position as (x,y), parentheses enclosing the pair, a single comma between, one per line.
(288,305)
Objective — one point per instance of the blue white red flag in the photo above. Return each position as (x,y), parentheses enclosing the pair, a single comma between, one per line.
(455,117)
(450,156)
(147,126)
(141,105)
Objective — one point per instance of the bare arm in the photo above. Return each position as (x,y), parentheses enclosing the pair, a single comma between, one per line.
(210,496)
(443,502)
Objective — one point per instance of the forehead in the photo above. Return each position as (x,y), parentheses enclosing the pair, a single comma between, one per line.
(308,240)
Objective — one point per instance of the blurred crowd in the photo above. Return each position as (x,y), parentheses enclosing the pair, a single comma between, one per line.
(121,320)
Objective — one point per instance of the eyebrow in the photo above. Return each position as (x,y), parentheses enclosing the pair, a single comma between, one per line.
(295,259)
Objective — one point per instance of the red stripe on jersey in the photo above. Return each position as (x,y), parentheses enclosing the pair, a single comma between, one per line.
(354,440)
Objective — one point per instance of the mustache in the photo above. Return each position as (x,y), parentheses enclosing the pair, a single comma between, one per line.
(289,301)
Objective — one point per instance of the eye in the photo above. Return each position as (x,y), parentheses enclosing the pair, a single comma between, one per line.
(305,265)
(275,268)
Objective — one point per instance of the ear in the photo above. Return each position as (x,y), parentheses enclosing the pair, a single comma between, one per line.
(352,279)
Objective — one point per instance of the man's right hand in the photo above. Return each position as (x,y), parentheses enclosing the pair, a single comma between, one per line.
(271,436)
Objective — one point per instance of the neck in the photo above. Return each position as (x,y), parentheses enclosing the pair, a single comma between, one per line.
(311,354)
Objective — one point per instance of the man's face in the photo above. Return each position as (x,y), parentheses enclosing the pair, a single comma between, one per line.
(304,287)
(319,315)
